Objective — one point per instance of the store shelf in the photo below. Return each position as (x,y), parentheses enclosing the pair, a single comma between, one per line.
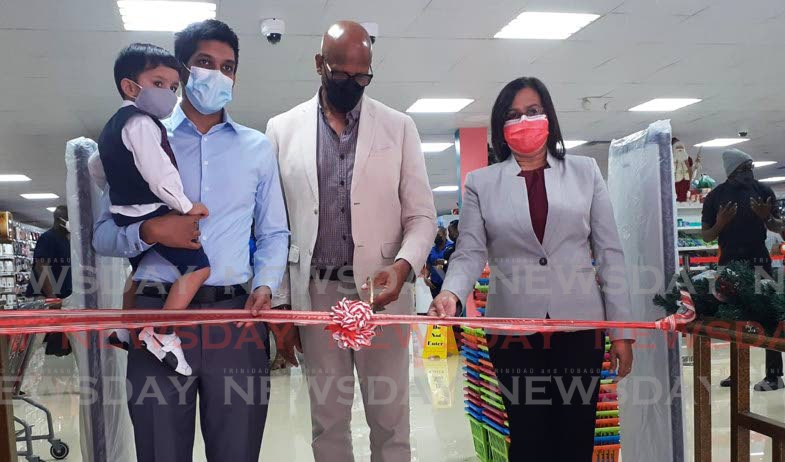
(698,248)
(689,205)
(690,229)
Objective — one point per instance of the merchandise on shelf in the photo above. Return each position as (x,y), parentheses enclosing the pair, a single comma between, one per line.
(487,416)
(17,246)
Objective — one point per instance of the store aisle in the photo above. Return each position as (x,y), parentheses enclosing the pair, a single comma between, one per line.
(440,431)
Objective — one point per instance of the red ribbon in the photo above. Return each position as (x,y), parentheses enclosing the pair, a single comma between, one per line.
(77,320)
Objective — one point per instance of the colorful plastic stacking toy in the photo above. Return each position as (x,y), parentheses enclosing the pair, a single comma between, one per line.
(485,407)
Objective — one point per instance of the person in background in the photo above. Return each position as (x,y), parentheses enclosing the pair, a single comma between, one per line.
(738,212)
(452,234)
(436,260)
(452,231)
(535,217)
(360,207)
(51,276)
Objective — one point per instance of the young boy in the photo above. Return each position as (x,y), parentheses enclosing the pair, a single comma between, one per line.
(141,170)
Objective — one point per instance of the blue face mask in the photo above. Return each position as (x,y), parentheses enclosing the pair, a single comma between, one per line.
(208,90)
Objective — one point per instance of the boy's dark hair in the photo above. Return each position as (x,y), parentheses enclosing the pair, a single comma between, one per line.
(186,41)
(139,57)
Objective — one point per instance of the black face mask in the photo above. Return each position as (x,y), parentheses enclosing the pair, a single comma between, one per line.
(745,177)
(343,96)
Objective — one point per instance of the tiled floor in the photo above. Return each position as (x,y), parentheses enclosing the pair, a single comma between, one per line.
(439,429)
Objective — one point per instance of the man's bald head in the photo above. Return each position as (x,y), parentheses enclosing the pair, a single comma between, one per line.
(347,46)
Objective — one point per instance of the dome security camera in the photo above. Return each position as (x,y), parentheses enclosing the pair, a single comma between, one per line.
(743,133)
(273,30)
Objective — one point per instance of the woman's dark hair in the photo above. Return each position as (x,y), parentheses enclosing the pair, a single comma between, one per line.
(502,105)
(187,40)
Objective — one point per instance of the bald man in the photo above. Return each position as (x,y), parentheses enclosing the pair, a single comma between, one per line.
(359,207)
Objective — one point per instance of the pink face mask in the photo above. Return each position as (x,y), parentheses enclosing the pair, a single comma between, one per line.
(527,135)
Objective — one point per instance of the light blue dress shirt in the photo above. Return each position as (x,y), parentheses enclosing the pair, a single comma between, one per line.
(233,171)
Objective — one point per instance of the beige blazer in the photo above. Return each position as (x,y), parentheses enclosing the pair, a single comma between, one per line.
(529,279)
(393,214)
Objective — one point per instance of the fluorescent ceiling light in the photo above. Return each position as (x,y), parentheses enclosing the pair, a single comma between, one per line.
(763,163)
(774,179)
(569,144)
(38,196)
(51,209)
(664,104)
(164,16)
(445,189)
(13,178)
(435,147)
(721,142)
(551,26)
(439,104)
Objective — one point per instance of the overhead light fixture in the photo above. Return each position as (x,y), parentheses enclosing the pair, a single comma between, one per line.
(763,163)
(163,16)
(51,209)
(545,26)
(435,105)
(39,196)
(569,144)
(721,142)
(773,179)
(665,104)
(13,178)
(445,189)
(435,147)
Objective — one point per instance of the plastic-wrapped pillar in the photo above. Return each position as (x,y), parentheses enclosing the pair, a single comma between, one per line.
(640,183)
(97,283)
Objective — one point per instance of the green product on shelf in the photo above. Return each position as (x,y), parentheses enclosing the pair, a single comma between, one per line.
(499,446)
(493,403)
(474,388)
(607,414)
(490,379)
(480,437)
(606,431)
(491,394)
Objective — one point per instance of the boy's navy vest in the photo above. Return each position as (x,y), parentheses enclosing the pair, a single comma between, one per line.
(126,184)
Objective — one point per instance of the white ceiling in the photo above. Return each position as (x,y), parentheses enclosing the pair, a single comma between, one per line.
(57,79)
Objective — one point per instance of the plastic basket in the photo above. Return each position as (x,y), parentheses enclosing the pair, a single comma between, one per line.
(499,446)
(608,453)
(480,437)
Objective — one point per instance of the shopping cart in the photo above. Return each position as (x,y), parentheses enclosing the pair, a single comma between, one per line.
(19,352)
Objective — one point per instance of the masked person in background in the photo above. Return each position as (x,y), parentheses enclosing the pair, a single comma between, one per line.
(51,276)
(537,217)
(738,213)
(360,206)
(232,170)
(437,260)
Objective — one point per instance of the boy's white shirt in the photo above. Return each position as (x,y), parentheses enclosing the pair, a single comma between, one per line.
(142,137)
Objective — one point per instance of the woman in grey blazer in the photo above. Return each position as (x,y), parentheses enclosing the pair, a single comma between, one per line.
(537,217)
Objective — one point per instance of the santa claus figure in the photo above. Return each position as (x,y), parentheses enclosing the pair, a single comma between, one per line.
(683,169)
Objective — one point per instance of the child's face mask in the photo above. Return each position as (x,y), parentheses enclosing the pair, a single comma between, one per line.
(158,102)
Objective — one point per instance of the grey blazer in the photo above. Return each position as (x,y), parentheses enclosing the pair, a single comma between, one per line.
(555,278)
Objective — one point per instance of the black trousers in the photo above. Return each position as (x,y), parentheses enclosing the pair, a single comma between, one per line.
(231,378)
(550,384)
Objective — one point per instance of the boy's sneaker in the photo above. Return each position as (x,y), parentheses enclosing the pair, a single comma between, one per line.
(120,338)
(167,348)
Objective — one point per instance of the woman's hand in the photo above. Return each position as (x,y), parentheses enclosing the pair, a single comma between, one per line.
(621,358)
(444,305)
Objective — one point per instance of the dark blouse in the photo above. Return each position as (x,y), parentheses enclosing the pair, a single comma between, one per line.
(538,199)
